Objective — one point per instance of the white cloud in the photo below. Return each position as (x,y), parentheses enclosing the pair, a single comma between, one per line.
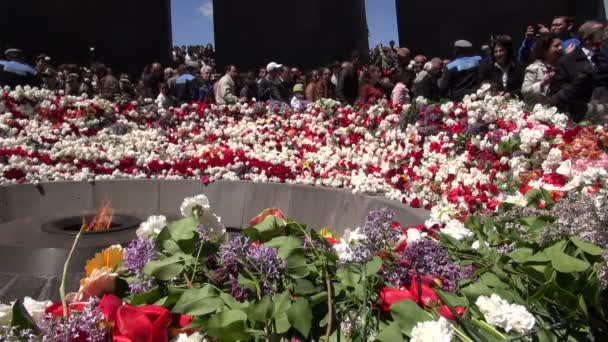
(206,9)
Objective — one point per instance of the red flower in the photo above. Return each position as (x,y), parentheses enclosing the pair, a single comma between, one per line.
(554,179)
(142,324)
(426,297)
(56,309)
(268,212)
(331,240)
(415,203)
(524,189)
(390,296)
(109,305)
(445,312)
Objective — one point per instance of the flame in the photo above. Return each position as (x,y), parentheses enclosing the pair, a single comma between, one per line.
(102,221)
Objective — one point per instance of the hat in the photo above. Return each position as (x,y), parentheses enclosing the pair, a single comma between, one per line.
(192,64)
(403,52)
(272,65)
(463,44)
(298,88)
(73,75)
(12,51)
(124,78)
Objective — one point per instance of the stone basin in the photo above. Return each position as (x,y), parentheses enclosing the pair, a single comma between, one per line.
(32,260)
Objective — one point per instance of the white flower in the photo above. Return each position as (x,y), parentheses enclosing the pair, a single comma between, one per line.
(196,337)
(565,168)
(433,331)
(36,308)
(499,313)
(456,230)
(344,248)
(152,226)
(190,203)
(6,315)
(414,235)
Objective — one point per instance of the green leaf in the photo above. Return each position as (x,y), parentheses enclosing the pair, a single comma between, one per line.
(149,297)
(231,302)
(285,245)
(564,263)
(165,269)
(452,299)
(183,229)
(391,333)
(300,316)
(270,227)
(305,287)
(22,319)
(296,265)
(348,277)
(282,323)
(198,302)
(521,255)
(373,266)
(262,310)
(171,246)
(407,314)
(227,326)
(587,247)
(282,303)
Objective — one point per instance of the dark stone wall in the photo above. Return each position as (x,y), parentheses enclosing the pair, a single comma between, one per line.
(306,33)
(127,34)
(430,27)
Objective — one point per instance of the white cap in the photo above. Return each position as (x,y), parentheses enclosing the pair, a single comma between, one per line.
(463,44)
(272,65)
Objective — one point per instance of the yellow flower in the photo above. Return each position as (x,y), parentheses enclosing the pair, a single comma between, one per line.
(405,176)
(327,233)
(306,164)
(108,258)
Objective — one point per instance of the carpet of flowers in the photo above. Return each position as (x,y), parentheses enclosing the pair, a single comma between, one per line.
(515,246)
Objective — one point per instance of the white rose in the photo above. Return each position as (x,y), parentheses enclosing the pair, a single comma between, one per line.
(433,331)
(153,225)
(456,230)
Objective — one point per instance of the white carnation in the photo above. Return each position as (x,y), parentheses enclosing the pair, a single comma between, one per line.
(196,337)
(456,230)
(499,313)
(5,315)
(153,225)
(190,203)
(433,331)
(519,319)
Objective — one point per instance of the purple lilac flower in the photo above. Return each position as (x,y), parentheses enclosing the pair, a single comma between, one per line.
(204,233)
(18,335)
(234,250)
(139,252)
(141,287)
(379,231)
(430,258)
(83,325)
(265,261)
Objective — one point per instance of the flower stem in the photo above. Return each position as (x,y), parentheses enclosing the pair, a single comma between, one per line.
(64,276)
(198,255)
(489,328)
(330,306)
(462,335)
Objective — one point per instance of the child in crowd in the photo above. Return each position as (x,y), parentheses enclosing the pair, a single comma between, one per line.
(299,102)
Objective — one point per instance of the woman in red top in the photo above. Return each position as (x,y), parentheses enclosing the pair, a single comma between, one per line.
(370,90)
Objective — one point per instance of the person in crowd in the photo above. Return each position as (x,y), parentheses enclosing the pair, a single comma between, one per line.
(347,88)
(164,99)
(140,91)
(269,88)
(312,86)
(287,83)
(572,86)
(261,75)
(42,63)
(460,77)
(298,101)
(107,85)
(336,67)
(86,86)
(185,84)
(400,94)
(50,79)
(419,63)
(562,26)
(126,87)
(152,79)
(502,71)
(426,82)
(72,85)
(370,90)
(15,71)
(226,89)
(171,82)
(250,87)
(324,89)
(205,85)
(538,75)
(169,73)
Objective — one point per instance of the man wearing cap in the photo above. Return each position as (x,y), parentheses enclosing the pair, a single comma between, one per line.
(460,76)
(269,87)
(226,88)
(14,71)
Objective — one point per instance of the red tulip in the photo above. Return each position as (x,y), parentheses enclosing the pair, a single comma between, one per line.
(109,305)
(445,312)
(264,214)
(427,297)
(390,296)
(148,323)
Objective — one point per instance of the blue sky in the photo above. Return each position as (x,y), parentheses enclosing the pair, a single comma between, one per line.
(193,21)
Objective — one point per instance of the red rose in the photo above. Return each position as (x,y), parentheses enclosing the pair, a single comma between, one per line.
(427,296)
(148,323)
(415,203)
(109,305)
(445,312)
(264,214)
(390,296)
(554,179)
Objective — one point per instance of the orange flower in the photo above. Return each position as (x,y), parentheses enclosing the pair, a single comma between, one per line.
(100,282)
(108,258)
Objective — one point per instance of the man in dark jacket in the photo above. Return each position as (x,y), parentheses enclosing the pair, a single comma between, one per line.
(573,83)
(14,71)
(348,84)
(460,76)
(269,88)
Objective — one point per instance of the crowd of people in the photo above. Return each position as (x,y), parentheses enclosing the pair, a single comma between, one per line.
(561,65)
